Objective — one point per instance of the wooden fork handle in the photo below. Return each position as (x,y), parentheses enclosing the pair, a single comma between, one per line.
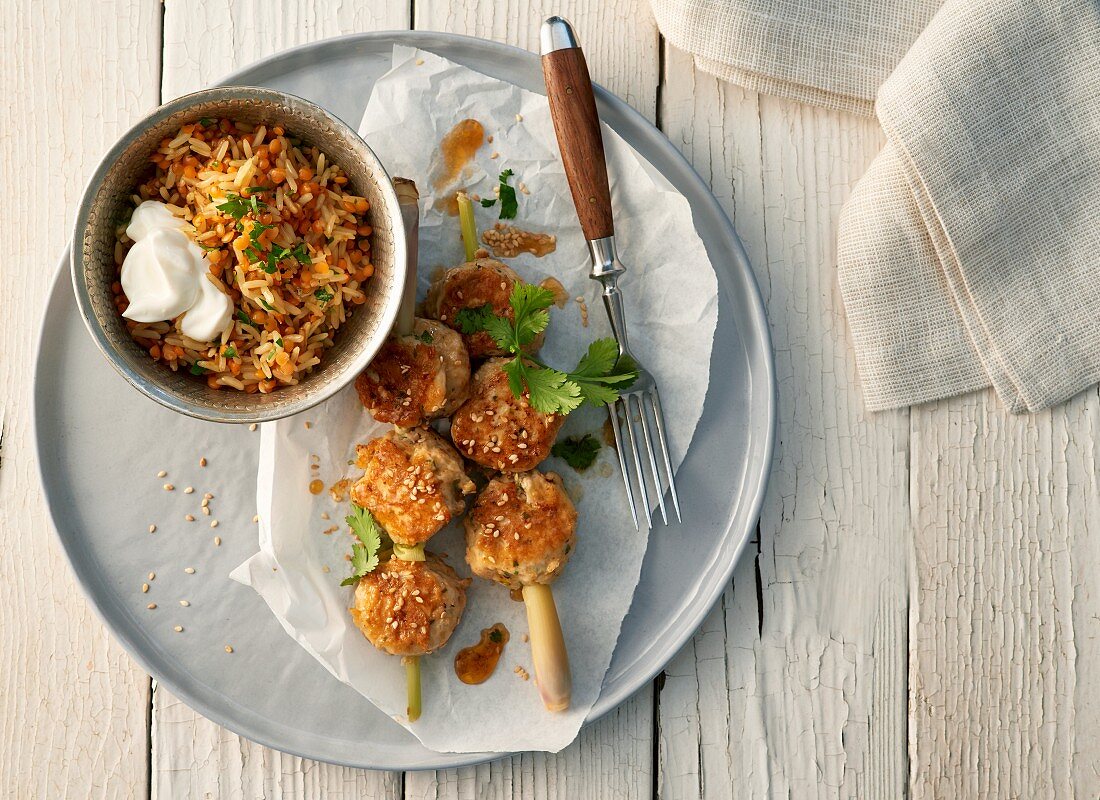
(577,125)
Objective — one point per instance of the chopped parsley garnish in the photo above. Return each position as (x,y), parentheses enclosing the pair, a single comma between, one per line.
(364,553)
(206,122)
(323,294)
(236,206)
(488,202)
(266,305)
(279,341)
(495,636)
(257,229)
(425,337)
(300,253)
(244,318)
(579,452)
(195,369)
(595,380)
(230,352)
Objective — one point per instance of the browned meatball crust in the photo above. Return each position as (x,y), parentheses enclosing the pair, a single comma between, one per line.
(416,378)
(498,430)
(473,285)
(409,608)
(413,482)
(521,530)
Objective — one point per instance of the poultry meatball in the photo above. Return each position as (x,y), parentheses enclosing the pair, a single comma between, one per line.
(498,430)
(413,482)
(521,530)
(409,608)
(416,378)
(473,285)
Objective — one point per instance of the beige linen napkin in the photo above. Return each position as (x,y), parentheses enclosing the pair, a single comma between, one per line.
(833,53)
(969,254)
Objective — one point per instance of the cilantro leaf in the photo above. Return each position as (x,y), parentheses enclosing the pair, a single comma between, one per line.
(266,305)
(364,553)
(529,304)
(244,318)
(279,341)
(301,254)
(323,294)
(195,369)
(472,320)
(206,122)
(487,202)
(579,452)
(509,203)
(230,352)
(425,337)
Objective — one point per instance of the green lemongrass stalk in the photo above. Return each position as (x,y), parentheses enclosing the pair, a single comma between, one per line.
(548,647)
(412,663)
(468,223)
(412,686)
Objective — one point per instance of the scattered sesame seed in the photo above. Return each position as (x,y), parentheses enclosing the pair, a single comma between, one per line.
(151,606)
(162,474)
(324,515)
(205,502)
(494,154)
(202,461)
(324,568)
(189,570)
(419,62)
(184,603)
(178,629)
(168,487)
(490,139)
(152,529)
(217,541)
(190,517)
(252,427)
(144,588)
(207,496)
(152,575)
(213,523)
(308,425)
(189,490)
(519,117)
(206,511)
(256,518)
(524,638)
(229,648)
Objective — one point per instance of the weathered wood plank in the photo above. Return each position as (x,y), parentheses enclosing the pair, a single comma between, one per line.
(72,703)
(193,757)
(1005,622)
(612,758)
(800,693)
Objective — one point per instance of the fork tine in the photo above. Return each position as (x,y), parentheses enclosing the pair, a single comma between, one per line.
(637,458)
(659,416)
(613,413)
(652,458)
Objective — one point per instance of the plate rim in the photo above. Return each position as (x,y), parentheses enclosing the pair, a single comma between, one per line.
(755,488)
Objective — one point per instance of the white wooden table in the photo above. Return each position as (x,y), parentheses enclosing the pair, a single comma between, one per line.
(916,614)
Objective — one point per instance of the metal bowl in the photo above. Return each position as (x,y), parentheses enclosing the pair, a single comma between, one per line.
(106,204)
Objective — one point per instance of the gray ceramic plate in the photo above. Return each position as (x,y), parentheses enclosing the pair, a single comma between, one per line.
(100,445)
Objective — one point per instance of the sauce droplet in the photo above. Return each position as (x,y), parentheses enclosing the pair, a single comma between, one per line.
(316,486)
(561,297)
(457,148)
(508,241)
(474,664)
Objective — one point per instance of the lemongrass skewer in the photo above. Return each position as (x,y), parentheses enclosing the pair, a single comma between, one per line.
(412,686)
(468,224)
(548,652)
(408,197)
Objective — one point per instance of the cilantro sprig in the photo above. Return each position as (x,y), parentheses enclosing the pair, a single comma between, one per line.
(509,203)
(579,452)
(364,553)
(596,380)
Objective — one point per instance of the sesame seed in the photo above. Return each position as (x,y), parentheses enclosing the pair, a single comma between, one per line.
(189,518)
(168,487)
(256,518)
(151,606)
(162,474)
(494,154)
(217,541)
(419,62)
(152,575)
(419,599)
(189,570)
(324,515)
(519,117)
(202,461)
(213,523)
(178,629)
(152,529)
(252,427)
(516,536)
(208,497)
(189,490)
(144,588)
(229,648)
(184,603)
(206,511)
(524,638)
(308,425)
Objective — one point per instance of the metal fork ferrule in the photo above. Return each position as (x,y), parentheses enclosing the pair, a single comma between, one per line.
(605,261)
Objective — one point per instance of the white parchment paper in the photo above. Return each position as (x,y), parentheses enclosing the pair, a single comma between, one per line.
(671,303)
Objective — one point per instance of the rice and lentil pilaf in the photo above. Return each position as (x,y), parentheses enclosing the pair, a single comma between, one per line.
(284,239)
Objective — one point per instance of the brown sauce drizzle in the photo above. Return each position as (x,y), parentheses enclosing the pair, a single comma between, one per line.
(508,241)
(474,664)
(457,148)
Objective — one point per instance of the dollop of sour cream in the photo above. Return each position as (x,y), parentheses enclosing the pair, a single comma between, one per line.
(165,275)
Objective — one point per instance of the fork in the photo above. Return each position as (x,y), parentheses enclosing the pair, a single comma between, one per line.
(577,125)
